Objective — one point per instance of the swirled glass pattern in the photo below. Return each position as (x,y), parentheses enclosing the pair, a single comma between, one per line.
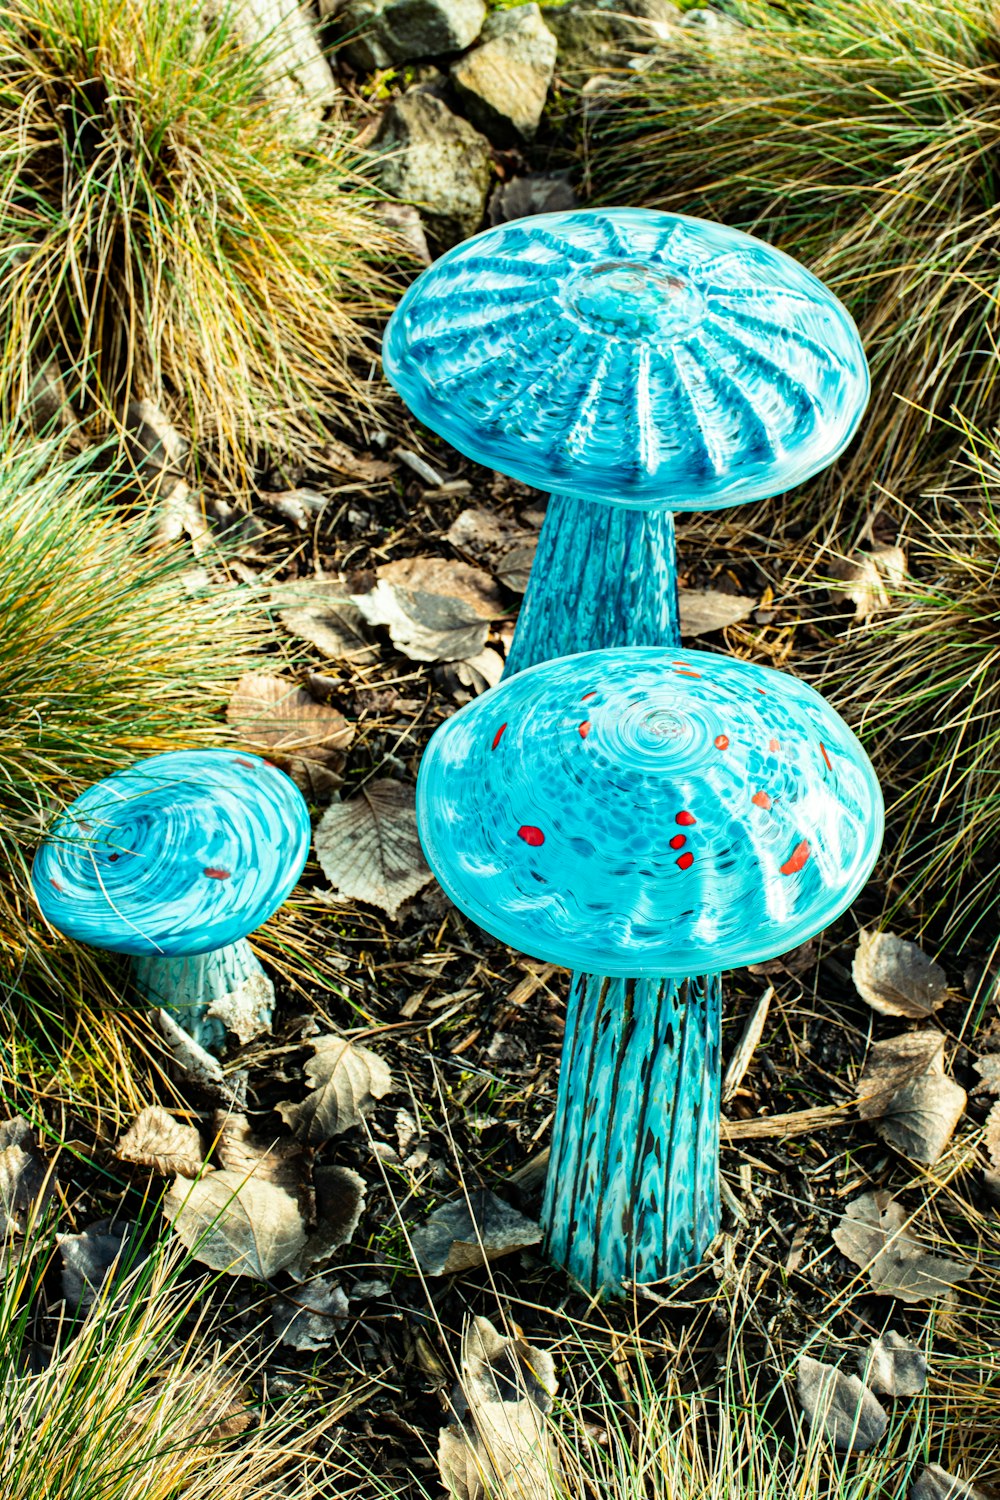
(647,812)
(181,853)
(631,356)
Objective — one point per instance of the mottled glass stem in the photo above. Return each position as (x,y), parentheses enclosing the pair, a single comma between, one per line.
(204,991)
(603,575)
(633,1183)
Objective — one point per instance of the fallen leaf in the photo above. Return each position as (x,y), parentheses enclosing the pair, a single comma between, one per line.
(935,1483)
(871,1234)
(101,1253)
(435,609)
(155,1139)
(705,610)
(300,506)
(846,1410)
(897,978)
(513,569)
(308,1318)
(237,1224)
(345,1081)
(344,460)
(322,612)
(991,1140)
(369,849)
(869,579)
(478,674)
(503,1445)
(275,716)
(894,1366)
(988,1068)
(25,1182)
(453,1239)
(339,1194)
(904,1090)
(270,1159)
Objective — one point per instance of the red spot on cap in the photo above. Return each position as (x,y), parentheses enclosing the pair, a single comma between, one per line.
(112,857)
(592,694)
(722,742)
(684,672)
(55,882)
(774,745)
(760,690)
(216,872)
(793,864)
(498,736)
(532,836)
(761,799)
(686,819)
(583,729)
(822,751)
(678,841)
(685,861)
(239,761)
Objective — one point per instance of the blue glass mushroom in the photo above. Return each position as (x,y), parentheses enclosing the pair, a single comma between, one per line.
(647,813)
(174,861)
(634,363)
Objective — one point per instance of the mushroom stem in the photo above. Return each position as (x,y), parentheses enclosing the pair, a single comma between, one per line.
(632,1190)
(603,575)
(207,993)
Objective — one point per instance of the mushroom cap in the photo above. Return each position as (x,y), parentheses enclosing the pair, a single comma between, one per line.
(640,358)
(181,853)
(649,812)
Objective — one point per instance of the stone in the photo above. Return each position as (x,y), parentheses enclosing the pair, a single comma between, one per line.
(300,82)
(381,33)
(534,193)
(597,34)
(503,82)
(436,160)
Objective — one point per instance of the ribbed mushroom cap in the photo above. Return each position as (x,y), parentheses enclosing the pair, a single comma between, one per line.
(645,811)
(180,853)
(643,358)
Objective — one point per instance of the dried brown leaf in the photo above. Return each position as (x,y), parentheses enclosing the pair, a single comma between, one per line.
(322,612)
(435,608)
(345,1081)
(904,1090)
(339,1194)
(869,579)
(988,1068)
(846,1410)
(871,1234)
(935,1483)
(455,1239)
(503,1445)
(237,1224)
(705,610)
(477,675)
(309,1317)
(25,1185)
(894,1366)
(276,716)
(992,1137)
(277,1159)
(896,977)
(103,1252)
(368,848)
(155,1139)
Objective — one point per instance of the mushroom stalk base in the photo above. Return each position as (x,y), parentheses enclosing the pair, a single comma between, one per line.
(208,993)
(603,575)
(632,1191)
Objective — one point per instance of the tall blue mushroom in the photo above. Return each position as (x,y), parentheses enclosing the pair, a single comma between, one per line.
(651,813)
(634,363)
(174,861)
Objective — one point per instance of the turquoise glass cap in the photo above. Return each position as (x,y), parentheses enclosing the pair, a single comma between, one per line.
(641,358)
(648,812)
(181,853)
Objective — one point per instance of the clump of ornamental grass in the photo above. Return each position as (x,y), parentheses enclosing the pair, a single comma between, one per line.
(165,233)
(137,1400)
(920,682)
(862,137)
(105,656)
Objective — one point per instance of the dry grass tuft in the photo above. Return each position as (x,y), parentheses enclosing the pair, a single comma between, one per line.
(164,233)
(862,137)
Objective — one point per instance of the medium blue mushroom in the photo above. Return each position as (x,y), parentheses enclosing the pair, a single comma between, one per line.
(648,814)
(174,861)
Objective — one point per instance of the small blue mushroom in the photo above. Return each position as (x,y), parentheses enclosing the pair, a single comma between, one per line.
(174,861)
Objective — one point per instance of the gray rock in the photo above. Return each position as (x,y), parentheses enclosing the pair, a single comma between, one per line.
(504,82)
(535,193)
(379,33)
(299,79)
(437,161)
(597,34)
